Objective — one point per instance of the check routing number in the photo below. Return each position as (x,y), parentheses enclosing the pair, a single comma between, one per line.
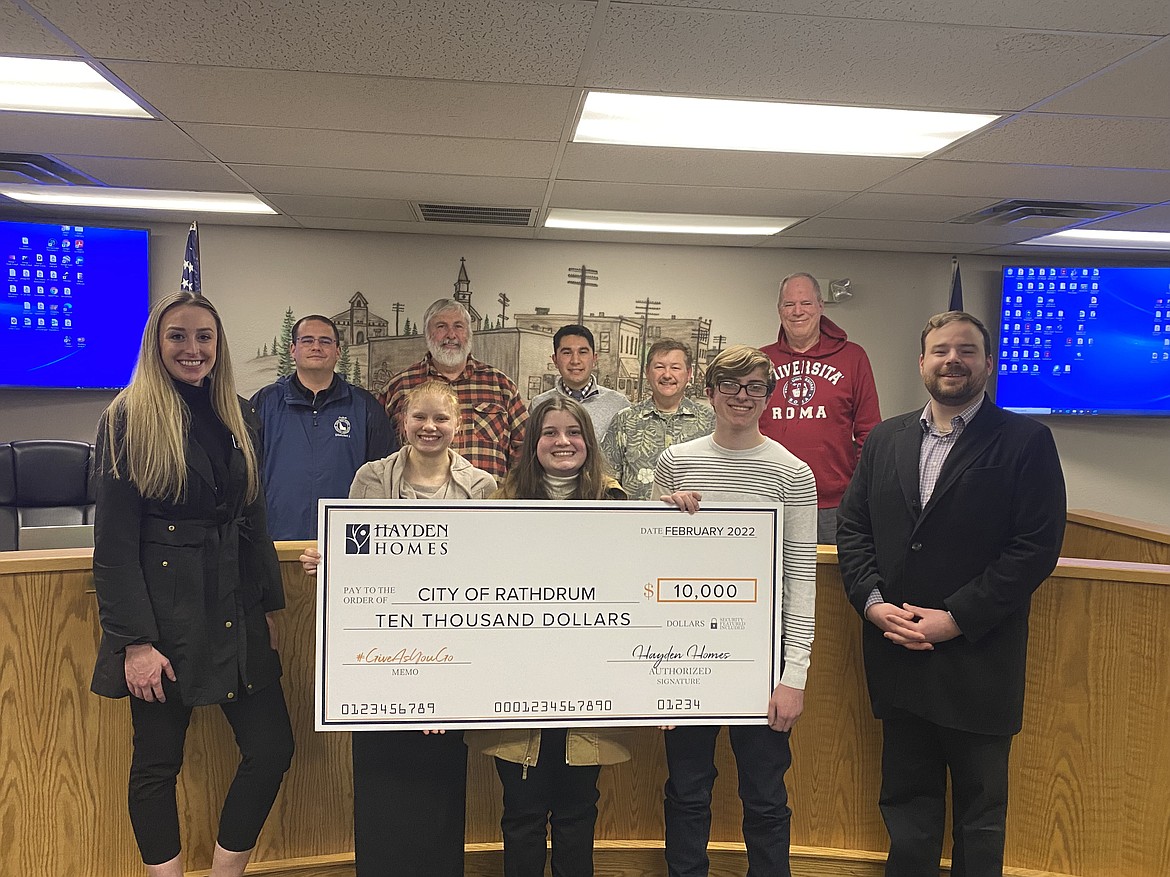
(548,614)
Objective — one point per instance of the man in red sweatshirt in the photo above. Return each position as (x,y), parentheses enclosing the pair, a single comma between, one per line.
(825,402)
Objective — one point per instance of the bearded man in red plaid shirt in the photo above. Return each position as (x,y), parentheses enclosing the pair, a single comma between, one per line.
(493,414)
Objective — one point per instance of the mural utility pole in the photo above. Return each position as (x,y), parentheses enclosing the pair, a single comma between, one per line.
(581,278)
(701,334)
(720,340)
(504,302)
(398,308)
(645,309)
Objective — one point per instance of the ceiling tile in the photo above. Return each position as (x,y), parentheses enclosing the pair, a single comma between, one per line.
(146,173)
(21,34)
(1126,89)
(284,98)
(842,60)
(1076,141)
(446,188)
(1131,17)
(838,244)
(706,167)
(985,179)
(691,199)
(380,209)
(73,135)
(914,208)
(882,229)
(241,144)
(1150,219)
(493,40)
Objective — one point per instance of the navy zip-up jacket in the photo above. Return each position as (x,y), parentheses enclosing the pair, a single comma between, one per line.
(312,451)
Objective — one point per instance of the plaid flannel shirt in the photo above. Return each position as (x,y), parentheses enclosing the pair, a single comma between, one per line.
(493,419)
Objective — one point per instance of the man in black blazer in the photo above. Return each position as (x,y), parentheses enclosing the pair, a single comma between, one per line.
(954,516)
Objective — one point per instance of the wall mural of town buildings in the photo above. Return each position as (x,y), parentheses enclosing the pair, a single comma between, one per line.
(380,339)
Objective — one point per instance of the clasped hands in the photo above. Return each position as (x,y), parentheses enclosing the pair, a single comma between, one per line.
(913,627)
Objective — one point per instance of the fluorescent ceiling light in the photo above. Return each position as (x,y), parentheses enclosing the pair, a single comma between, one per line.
(137,199)
(1120,240)
(766,126)
(669,223)
(37,85)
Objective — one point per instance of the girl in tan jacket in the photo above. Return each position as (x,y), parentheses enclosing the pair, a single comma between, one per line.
(427,769)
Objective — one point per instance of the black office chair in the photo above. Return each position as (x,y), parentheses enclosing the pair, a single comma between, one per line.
(43,484)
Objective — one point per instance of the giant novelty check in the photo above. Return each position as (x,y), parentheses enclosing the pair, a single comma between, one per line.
(519,613)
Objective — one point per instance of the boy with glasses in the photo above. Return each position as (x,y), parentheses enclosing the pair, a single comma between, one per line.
(737,463)
(316,430)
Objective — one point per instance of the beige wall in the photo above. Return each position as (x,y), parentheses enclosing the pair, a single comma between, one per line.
(254,274)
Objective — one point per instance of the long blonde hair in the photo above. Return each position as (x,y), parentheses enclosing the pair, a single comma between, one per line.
(145,428)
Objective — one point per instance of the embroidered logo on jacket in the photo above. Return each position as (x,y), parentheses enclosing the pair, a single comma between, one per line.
(341,426)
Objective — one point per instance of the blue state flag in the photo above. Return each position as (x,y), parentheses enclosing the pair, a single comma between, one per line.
(956,303)
(190,280)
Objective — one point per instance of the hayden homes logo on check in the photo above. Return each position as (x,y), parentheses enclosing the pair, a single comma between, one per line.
(397,539)
(357,538)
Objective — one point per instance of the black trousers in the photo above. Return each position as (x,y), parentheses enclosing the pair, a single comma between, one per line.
(409,803)
(916,756)
(264,735)
(554,793)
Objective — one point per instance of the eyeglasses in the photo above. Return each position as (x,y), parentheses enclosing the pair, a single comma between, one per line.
(309,341)
(755,389)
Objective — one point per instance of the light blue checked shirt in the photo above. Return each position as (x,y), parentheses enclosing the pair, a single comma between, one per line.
(931,456)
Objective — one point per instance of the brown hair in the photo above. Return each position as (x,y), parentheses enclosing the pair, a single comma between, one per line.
(525,480)
(948,317)
(665,345)
(737,361)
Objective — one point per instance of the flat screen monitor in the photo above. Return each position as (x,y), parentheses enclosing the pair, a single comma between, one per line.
(75,300)
(1085,341)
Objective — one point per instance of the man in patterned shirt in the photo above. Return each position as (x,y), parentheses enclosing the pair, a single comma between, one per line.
(493,415)
(637,435)
(740,464)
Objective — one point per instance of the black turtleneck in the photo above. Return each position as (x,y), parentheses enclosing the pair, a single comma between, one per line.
(207,430)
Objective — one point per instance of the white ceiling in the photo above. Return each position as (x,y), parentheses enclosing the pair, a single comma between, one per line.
(343,114)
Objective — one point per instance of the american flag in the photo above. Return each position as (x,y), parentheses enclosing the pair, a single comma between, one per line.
(191,262)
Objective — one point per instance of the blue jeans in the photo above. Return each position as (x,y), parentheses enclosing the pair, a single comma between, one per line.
(762,757)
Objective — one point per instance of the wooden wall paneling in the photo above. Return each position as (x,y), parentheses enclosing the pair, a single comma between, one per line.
(836,758)
(1110,537)
(1090,772)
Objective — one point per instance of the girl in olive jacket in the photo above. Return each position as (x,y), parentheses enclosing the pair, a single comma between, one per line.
(550,775)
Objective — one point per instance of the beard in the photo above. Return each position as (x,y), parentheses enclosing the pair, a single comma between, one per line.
(955,395)
(448,357)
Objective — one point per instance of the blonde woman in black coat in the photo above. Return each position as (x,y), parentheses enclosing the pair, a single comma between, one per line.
(187,580)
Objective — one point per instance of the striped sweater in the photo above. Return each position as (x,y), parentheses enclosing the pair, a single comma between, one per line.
(767,473)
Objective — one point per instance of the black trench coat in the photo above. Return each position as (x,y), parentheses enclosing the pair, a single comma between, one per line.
(194,578)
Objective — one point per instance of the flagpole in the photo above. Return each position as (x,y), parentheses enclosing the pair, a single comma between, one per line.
(956,299)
